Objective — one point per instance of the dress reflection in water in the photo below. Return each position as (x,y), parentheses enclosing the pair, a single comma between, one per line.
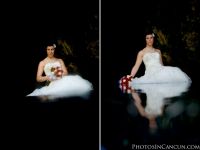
(158,102)
(159,82)
(157,95)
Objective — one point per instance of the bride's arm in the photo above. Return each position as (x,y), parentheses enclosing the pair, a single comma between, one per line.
(39,77)
(138,103)
(137,63)
(161,62)
(64,68)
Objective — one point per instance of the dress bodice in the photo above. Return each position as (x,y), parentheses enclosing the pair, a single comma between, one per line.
(48,68)
(152,62)
(151,59)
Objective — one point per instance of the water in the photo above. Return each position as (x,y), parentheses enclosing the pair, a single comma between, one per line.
(32,122)
(153,114)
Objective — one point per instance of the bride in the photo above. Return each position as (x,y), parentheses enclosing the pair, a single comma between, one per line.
(59,83)
(155,71)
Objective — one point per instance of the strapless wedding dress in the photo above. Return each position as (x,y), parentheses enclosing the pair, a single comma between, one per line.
(67,86)
(160,82)
(157,73)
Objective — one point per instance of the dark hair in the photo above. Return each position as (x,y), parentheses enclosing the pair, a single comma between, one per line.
(148,31)
(51,44)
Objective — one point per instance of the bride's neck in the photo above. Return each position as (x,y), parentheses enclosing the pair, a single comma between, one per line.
(149,47)
(50,58)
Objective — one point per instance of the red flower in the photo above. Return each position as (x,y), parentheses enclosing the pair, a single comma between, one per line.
(124,83)
(57,71)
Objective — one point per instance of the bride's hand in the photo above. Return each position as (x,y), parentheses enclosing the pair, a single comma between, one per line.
(130,76)
(48,78)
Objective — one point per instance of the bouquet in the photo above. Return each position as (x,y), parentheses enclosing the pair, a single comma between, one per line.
(124,84)
(57,71)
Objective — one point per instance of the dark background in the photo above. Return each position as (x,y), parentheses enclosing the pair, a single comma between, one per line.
(27,122)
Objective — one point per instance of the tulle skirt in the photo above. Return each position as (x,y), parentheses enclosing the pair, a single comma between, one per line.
(163,74)
(67,86)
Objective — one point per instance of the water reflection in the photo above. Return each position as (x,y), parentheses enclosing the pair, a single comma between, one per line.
(155,100)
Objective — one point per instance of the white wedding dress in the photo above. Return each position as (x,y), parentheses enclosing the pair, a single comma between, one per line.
(160,82)
(67,86)
(157,73)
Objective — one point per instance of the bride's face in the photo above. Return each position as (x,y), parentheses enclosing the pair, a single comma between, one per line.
(149,39)
(50,51)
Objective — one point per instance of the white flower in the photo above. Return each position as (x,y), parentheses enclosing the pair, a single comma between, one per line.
(153,34)
(54,45)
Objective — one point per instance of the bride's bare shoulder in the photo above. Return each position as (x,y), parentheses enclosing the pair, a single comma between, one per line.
(158,50)
(141,52)
(43,62)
